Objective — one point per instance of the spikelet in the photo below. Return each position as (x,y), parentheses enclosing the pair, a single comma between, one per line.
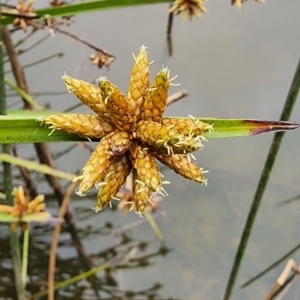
(96,167)
(182,165)
(121,110)
(156,99)
(120,142)
(141,194)
(80,124)
(188,127)
(7,209)
(36,205)
(146,167)
(139,80)
(19,196)
(87,93)
(165,138)
(113,180)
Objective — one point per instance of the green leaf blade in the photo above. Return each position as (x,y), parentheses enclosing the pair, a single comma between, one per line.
(25,127)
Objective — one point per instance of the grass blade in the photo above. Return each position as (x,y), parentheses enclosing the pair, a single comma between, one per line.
(287,110)
(23,127)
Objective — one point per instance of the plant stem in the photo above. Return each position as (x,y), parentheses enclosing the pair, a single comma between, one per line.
(285,115)
(14,240)
(25,255)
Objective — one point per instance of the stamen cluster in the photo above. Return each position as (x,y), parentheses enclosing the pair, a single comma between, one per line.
(133,135)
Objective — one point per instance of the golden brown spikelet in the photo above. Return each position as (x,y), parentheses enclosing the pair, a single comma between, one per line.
(96,167)
(156,99)
(112,181)
(146,167)
(80,124)
(139,79)
(182,165)
(6,209)
(19,196)
(87,93)
(141,194)
(121,110)
(165,138)
(36,205)
(120,142)
(187,127)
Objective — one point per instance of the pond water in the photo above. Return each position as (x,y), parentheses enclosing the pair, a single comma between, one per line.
(234,64)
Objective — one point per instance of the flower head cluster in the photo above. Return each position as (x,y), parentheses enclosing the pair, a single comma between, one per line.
(133,134)
(25,9)
(188,8)
(24,209)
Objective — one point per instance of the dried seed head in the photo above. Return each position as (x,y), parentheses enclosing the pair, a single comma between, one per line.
(96,166)
(139,79)
(156,99)
(121,110)
(182,165)
(80,124)
(113,180)
(189,8)
(87,93)
(146,167)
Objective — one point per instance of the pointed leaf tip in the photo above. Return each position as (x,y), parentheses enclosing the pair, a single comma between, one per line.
(257,127)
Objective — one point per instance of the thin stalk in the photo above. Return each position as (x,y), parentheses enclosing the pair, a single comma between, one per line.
(287,110)
(25,255)
(153,225)
(272,266)
(7,178)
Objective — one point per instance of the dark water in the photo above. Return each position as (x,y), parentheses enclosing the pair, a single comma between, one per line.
(234,64)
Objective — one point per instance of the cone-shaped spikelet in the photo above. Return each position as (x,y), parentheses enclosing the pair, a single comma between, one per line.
(165,138)
(182,165)
(87,93)
(146,167)
(96,166)
(141,194)
(80,124)
(36,205)
(121,110)
(113,180)
(187,127)
(156,99)
(139,79)
(120,142)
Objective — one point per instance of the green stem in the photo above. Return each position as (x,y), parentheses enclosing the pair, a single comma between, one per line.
(8,186)
(25,256)
(287,110)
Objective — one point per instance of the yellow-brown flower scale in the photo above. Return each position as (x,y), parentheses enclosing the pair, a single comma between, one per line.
(80,124)
(113,180)
(155,100)
(146,167)
(133,133)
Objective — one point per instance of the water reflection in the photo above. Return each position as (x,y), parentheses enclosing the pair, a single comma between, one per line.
(125,254)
